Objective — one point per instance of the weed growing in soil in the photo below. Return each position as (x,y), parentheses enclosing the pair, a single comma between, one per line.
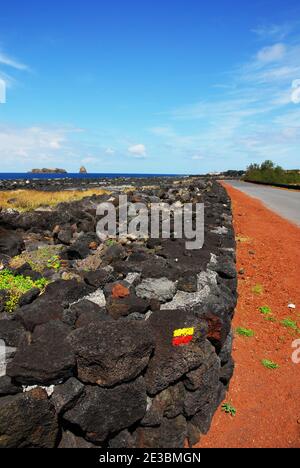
(289,323)
(229,409)
(258,289)
(245,332)
(54,262)
(44,257)
(266,310)
(269,364)
(16,286)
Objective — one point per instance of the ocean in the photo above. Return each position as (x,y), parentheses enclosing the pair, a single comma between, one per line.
(30,176)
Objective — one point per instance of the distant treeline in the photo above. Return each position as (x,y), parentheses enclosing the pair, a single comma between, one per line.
(268,172)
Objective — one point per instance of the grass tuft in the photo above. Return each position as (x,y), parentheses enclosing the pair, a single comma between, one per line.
(229,409)
(245,332)
(258,289)
(269,364)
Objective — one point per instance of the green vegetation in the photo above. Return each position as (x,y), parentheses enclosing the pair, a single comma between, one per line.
(111,242)
(54,262)
(245,332)
(258,289)
(44,257)
(269,364)
(270,173)
(229,409)
(266,310)
(16,286)
(267,313)
(290,323)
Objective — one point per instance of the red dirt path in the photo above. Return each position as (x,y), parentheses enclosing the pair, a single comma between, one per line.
(267,401)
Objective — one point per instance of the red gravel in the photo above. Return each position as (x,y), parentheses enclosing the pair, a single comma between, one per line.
(267,401)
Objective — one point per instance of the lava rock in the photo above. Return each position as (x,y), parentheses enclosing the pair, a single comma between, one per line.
(161,289)
(71,441)
(101,412)
(170,362)
(170,434)
(11,332)
(111,353)
(27,421)
(7,387)
(123,440)
(11,243)
(29,297)
(168,403)
(47,359)
(98,279)
(66,395)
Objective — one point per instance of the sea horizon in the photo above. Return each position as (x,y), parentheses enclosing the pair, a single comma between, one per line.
(32,176)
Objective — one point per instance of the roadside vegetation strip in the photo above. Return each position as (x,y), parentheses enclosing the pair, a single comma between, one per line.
(270,174)
(258,389)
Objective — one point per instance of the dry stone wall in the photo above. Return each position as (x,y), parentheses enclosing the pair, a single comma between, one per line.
(130,344)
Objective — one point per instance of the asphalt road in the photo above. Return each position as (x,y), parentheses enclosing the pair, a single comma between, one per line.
(286,203)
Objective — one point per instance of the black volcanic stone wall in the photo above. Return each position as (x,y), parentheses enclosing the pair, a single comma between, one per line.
(93,359)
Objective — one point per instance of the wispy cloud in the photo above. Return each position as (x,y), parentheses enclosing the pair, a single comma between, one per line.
(12,63)
(138,151)
(255,116)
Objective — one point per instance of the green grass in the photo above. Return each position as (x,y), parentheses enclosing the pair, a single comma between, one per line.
(266,310)
(269,364)
(16,286)
(54,262)
(44,257)
(245,332)
(267,313)
(229,409)
(258,289)
(289,323)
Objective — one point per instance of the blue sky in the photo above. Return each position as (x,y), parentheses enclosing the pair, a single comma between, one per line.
(181,86)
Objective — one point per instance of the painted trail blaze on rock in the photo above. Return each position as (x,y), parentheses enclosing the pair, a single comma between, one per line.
(183,336)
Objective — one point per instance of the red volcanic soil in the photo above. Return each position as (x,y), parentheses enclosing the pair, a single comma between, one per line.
(267,401)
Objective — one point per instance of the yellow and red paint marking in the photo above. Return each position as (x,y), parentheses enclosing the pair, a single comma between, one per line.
(183,336)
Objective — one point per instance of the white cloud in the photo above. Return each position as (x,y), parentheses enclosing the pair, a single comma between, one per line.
(33,146)
(274,31)
(110,151)
(137,150)
(295,97)
(10,62)
(272,53)
(197,157)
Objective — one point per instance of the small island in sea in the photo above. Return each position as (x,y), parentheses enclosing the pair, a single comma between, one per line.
(48,171)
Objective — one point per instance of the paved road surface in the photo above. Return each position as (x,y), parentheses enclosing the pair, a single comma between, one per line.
(286,203)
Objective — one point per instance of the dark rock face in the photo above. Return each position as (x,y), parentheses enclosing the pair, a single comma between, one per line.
(171,433)
(170,363)
(130,345)
(111,353)
(27,422)
(7,387)
(46,359)
(11,244)
(11,333)
(65,396)
(102,412)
